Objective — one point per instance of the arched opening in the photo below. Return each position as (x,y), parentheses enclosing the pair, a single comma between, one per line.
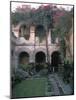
(23,58)
(24,32)
(40,57)
(55,60)
(40,32)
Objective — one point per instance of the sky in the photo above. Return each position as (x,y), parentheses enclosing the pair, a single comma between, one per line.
(14,5)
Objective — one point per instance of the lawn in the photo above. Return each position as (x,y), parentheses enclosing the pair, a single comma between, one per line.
(30,88)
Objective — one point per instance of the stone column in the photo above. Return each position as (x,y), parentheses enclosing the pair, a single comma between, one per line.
(32,34)
(50,59)
(15,62)
(46,58)
(15,57)
(32,58)
(49,37)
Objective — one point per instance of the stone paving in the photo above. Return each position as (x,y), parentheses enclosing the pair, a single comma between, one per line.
(54,88)
(59,87)
(66,88)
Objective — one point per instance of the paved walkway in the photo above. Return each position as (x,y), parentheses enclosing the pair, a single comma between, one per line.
(66,88)
(60,88)
(54,85)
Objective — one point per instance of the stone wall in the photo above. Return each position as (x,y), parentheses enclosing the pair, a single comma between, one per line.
(29,46)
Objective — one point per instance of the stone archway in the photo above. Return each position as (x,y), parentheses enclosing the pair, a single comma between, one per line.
(40,57)
(18,51)
(23,58)
(55,60)
(40,49)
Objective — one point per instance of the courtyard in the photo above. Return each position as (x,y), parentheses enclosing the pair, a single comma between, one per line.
(36,87)
(40,85)
(42,59)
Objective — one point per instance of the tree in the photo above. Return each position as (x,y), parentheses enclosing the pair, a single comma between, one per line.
(62,28)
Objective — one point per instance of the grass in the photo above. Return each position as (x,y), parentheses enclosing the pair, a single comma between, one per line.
(30,88)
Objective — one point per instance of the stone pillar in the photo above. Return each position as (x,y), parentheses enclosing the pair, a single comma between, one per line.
(46,58)
(15,57)
(50,59)
(49,37)
(32,34)
(15,62)
(32,57)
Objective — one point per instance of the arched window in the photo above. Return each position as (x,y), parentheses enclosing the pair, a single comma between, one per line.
(24,32)
(40,32)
